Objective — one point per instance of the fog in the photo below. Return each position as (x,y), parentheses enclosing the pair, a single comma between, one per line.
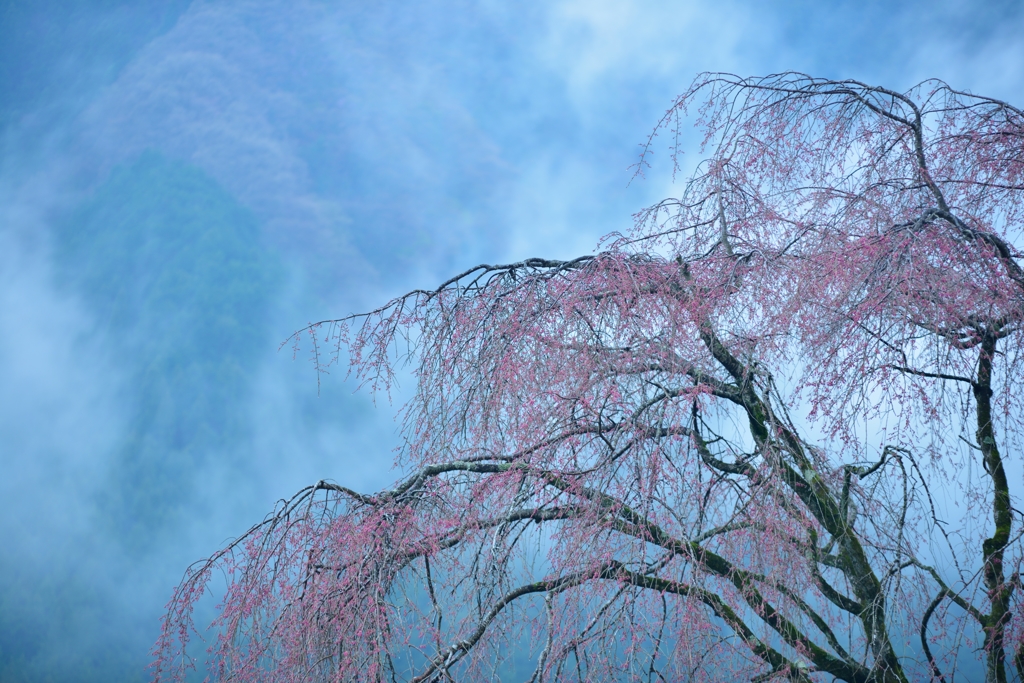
(184,184)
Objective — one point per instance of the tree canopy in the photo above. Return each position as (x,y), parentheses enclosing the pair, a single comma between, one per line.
(765,434)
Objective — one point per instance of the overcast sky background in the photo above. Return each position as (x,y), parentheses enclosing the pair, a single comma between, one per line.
(324,156)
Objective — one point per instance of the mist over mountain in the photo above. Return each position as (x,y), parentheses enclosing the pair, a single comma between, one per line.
(170,226)
(184,184)
(174,272)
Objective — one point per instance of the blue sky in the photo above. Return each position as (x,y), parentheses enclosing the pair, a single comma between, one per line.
(377,146)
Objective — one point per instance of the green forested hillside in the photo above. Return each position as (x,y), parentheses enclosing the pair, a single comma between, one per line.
(175,274)
(172,271)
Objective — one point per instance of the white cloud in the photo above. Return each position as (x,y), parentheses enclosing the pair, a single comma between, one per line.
(590,41)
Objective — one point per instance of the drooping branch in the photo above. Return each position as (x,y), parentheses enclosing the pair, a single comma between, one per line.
(611,425)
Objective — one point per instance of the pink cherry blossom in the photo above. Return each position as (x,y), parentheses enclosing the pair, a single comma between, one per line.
(724,448)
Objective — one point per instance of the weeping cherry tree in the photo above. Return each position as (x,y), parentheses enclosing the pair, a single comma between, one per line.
(766,434)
